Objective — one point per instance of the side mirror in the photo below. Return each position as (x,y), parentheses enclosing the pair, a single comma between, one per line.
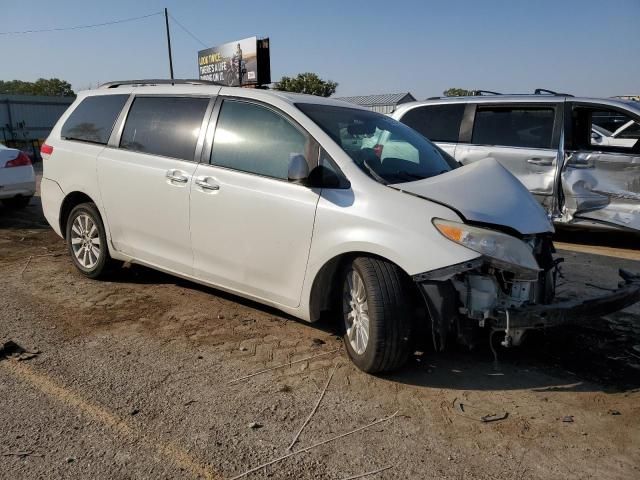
(595,136)
(323,177)
(298,168)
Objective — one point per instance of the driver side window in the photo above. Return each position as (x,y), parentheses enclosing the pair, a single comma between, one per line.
(604,129)
(255,139)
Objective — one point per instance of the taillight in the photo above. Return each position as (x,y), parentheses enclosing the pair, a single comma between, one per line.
(22,160)
(46,149)
(377,149)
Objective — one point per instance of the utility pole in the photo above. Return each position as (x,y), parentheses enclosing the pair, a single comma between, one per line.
(166,22)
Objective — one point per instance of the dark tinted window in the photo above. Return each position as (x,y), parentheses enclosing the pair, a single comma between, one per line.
(439,123)
(92,121)
(255,139)
(167,126)
(514,127)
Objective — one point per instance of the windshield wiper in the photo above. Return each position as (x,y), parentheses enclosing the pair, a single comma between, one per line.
(373,174)
(411,175)
(417,176)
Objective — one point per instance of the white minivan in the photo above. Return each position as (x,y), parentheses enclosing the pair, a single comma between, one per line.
(264,195)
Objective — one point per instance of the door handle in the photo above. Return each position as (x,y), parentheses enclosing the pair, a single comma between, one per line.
(543,162)
(177,176)
(204,183)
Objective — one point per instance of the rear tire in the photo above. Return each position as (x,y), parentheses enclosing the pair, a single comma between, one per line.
(377,313)
(17,202)
(87,241)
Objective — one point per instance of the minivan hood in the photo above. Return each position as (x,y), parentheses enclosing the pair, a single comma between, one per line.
(484,192)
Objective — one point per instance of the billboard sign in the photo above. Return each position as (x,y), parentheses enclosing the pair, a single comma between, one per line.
(243,62)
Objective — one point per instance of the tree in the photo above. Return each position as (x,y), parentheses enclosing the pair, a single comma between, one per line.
(53,87)
(456,92)
(307,82)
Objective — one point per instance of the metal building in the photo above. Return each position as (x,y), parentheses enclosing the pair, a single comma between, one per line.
(384,103)
(26,120)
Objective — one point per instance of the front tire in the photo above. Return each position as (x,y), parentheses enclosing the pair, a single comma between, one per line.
(87,241)
(377,312)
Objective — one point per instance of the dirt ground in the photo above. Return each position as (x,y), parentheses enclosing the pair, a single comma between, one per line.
(141,377)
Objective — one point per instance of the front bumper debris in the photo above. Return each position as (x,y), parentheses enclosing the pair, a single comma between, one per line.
(447,318)
(572,311)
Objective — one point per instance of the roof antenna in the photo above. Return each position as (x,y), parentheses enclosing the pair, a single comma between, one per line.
(166,22)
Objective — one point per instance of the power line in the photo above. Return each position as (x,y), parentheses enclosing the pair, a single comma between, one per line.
(188,32)
(79,27)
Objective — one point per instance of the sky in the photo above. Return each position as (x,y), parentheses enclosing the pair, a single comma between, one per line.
(584,47)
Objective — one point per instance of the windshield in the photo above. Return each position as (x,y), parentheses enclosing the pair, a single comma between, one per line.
(382,147)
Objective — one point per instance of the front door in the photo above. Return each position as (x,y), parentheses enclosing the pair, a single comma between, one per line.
(145,182)
(523,138)
(601,173)
(250,227)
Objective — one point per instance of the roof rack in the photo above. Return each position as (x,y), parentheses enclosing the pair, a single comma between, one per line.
(472,93)
(481,93)
(159,81)
(544,91)
(476,93)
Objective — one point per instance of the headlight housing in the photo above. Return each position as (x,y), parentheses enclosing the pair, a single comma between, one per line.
(504,251)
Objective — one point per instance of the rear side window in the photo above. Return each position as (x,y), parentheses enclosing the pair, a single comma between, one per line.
(93,119)
(255,139)
(167,126)
(439,123)
(530,127)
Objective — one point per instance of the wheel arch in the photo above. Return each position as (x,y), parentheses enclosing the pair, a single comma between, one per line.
(70,201)
(325,286)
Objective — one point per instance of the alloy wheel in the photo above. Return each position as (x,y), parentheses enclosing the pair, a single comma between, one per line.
(356,312)
(85,241)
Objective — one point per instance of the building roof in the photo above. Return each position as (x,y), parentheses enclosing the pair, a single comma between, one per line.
(33,99)
(383,99)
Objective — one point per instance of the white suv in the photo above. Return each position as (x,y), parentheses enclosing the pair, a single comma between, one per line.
(256,193)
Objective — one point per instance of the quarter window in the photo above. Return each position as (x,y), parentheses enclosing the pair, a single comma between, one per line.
(514,127)
(93,119)
(167,126)
(439,123)
(255,139)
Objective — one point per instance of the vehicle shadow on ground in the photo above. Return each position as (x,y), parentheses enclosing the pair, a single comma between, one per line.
(536,366)
(141,275)
(30,217)
(577,359)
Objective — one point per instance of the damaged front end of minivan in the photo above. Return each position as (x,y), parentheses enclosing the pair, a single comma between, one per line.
(509,289)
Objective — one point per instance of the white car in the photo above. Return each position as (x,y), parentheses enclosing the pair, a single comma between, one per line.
(17,178)
(282,198)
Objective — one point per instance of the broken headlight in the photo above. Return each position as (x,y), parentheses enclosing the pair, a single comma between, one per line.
(504,251)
